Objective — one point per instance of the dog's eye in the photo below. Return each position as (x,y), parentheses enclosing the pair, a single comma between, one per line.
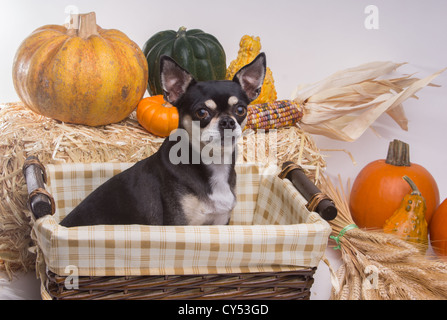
(241,111)
(202,114)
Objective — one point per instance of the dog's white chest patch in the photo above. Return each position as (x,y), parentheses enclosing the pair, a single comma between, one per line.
(221,194)
(217,208)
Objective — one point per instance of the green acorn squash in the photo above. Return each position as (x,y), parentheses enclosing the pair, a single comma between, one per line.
(196,51)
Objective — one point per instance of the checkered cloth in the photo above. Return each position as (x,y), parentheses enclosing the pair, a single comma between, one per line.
(270,231)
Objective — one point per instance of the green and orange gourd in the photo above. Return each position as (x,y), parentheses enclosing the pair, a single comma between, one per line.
(408,221)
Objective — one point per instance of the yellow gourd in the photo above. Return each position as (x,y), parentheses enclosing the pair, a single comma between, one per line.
(250,47)
(408,221)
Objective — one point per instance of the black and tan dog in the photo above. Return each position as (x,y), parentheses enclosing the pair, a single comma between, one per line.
(190,180)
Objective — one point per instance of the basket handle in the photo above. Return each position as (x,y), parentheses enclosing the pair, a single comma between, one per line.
(316,200)
(40,201)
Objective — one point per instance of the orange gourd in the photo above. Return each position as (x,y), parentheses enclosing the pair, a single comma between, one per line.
(84,75)
(408,221)
(157,116)
(438,230)
(378,189)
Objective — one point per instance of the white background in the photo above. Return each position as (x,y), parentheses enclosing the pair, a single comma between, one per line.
(305,41)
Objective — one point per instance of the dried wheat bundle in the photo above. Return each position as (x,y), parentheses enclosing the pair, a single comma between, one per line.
(24,133)
(380,266)
(347,103)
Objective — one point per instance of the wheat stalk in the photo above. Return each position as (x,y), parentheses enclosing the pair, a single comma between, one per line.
(380,266)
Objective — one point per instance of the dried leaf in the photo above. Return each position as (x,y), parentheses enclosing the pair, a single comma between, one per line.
(348,102)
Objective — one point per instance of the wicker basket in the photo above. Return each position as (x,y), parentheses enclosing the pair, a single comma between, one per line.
(294,285)
(270,250)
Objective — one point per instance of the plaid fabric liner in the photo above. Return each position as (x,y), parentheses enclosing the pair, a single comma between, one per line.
(270,231)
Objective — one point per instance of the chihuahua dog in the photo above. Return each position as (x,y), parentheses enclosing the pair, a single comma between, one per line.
(191,179)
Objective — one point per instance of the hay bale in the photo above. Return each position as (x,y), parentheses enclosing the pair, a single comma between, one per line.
(24,133)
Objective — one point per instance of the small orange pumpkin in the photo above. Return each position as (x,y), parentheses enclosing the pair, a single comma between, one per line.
(438,230)
(378,189)
(157,116)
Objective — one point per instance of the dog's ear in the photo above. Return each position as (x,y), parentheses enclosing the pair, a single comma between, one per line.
(174,79)
(251,77)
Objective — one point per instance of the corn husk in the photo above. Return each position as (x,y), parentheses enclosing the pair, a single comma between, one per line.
(348,102)
(24,133)
(380,266)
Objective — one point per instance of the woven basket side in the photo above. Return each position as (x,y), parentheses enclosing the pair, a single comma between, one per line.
(279,286)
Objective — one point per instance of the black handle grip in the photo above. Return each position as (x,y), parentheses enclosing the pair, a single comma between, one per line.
(325,208)
(40,201)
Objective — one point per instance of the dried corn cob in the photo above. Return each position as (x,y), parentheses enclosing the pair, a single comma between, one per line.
(273,115)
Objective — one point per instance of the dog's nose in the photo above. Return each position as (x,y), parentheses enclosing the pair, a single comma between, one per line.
(227,123)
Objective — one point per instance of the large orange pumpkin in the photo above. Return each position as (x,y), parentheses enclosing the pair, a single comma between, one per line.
(438,230)
(378,189)
(157,116)
(86,75)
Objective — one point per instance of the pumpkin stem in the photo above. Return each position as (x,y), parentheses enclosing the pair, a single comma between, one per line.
(414,188)
(181,32)
(398,154)
(83,25)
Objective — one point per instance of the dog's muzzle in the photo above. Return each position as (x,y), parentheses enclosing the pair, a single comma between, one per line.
(227,123)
